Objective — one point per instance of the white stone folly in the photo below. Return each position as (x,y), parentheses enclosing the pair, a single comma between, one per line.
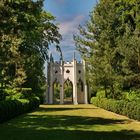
(72,71)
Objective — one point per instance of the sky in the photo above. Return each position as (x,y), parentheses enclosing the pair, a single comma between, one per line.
(69,14)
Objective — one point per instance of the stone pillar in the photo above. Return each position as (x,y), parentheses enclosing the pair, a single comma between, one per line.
(46,96)
(61,94)
(74,82)
(85,85)
(51,94)
(86,96)
(62,84)
(75,94)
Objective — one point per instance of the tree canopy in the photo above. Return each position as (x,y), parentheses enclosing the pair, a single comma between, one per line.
(26,30)
(109,42)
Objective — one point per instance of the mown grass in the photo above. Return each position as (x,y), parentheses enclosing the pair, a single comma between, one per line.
(69,122)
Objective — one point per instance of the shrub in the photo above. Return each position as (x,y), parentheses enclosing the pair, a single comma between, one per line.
(12,108)
(101,94)
(27,92)
(18,93)
(123,107)
(132,96)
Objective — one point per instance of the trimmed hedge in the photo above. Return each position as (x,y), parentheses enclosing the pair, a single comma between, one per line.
(129,109)
(12,108)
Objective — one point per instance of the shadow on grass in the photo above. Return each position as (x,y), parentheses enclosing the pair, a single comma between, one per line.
(61,109)
(42,134)
(63,127)
(53,121)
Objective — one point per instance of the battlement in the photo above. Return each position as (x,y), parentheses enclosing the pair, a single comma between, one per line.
(79,62)
(67,62)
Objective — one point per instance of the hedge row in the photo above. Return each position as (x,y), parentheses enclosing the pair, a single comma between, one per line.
(122,107)
(12,108)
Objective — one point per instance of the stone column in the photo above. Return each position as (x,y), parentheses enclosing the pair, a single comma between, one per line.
(74,82)
(62,84)
(46,96)
(61,94)
(85,85)
(51,94)
(86,96)
(75,94)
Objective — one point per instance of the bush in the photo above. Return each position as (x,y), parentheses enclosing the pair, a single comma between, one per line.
(123,107)
(132,95)
(101,94)
(12,108)
(18,93)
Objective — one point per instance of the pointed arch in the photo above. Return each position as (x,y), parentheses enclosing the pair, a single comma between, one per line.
(68,91)
(56,91)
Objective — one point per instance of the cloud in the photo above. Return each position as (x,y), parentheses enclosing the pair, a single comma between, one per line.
(67,27)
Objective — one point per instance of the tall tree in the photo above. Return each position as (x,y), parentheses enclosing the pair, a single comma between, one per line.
(26,31)
(106,43)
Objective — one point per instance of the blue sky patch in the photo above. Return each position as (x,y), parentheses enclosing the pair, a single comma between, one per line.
(69,15)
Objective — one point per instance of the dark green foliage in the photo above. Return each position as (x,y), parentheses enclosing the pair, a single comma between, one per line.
(123,107)
(2,95)
(26,31)
(13,108)
(101,94)
(110,44)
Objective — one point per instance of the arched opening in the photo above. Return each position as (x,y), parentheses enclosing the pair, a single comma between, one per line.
(68,92)
(56,92)
(80,91)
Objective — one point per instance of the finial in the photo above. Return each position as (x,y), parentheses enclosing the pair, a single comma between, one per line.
(51,58)
(74,56)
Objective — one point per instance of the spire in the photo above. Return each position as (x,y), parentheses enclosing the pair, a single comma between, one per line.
(74,58)
(51,58)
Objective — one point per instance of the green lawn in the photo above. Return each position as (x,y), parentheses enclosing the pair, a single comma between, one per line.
(69,122)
